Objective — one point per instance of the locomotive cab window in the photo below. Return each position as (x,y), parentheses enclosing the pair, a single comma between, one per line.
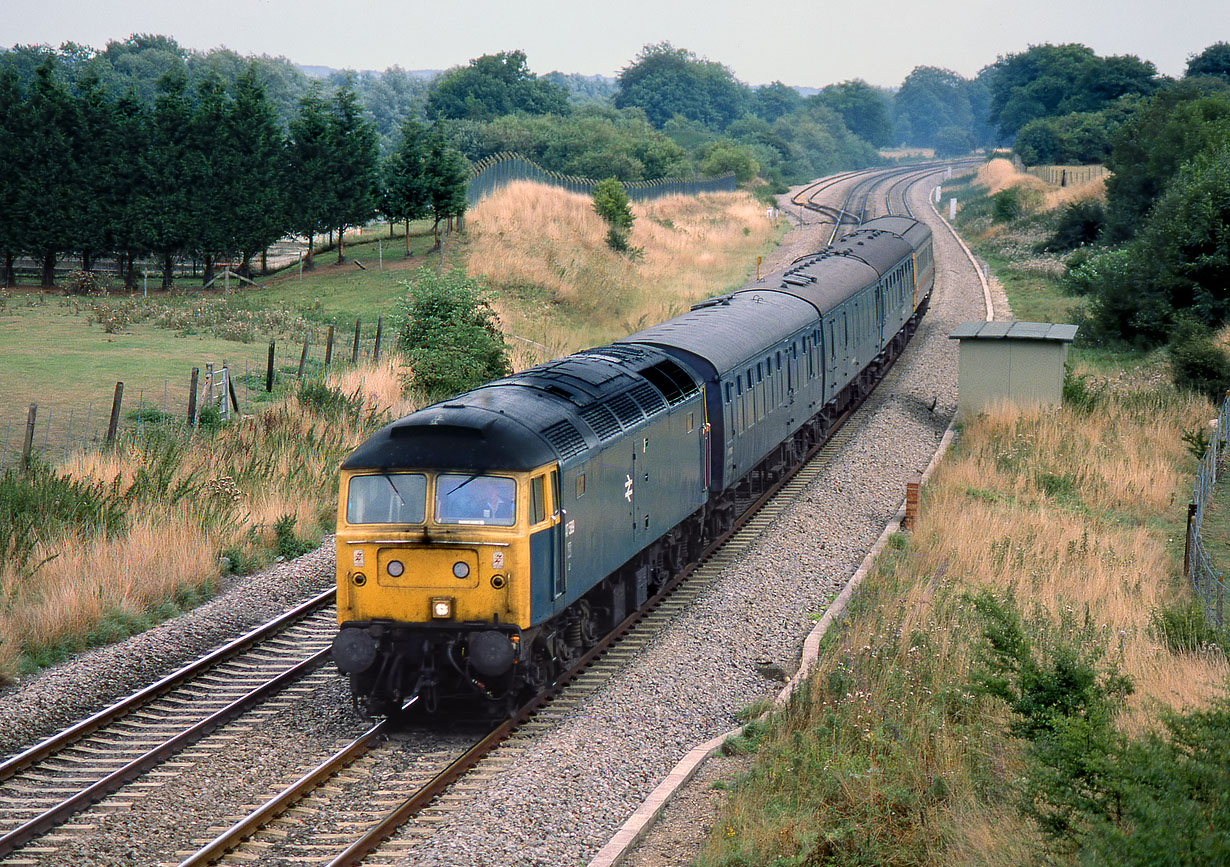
(538,499)
(387,498)
(476,499)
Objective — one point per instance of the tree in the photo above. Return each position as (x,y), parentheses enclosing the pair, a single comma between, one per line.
(494,85)
(775,100)
(208,168)
(167,224)
(97,191)
(1213,61)
(405,194)
(611,204)
(726,156)
(353,155)
(929,100)
(865,110)
(1149,147)
(309,190)
(666,81)
(1054,80)
(451,334)
(254,202)
(447,179)
(46,198)
(132,135)
(953,141)
(12,109)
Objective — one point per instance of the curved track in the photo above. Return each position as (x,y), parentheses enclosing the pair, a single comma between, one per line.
(340,811)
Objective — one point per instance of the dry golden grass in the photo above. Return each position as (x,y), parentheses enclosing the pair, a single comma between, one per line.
(998,175)
(532,235)
(85,582)
(381,386)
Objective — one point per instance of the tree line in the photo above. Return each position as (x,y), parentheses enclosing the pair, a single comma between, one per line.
(206,171)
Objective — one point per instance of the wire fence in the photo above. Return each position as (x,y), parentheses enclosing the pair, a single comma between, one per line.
(1206,578)
(227,388)
(496,171)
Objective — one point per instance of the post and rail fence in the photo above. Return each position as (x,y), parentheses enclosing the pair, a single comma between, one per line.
(1207,580)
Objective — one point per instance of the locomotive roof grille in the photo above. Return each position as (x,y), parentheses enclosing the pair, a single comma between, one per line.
(602,420)
(566,439)
(626,410)
(648,397)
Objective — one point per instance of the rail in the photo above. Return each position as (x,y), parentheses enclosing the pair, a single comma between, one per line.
(1207,580)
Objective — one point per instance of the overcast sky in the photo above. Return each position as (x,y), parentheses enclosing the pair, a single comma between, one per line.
(800,42)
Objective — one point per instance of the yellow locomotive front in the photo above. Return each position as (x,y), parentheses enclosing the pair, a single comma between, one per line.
(443,517)
(434,574)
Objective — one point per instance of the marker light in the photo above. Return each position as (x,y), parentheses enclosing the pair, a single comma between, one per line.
(461,569)
(396,568)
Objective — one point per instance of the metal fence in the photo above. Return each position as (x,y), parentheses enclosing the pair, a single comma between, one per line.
(1206,578)
(496,171)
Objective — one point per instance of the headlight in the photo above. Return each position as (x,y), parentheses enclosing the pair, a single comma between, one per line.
(396,568)
(461,569)
(441,607)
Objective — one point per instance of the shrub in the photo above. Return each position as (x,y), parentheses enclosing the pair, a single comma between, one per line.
(1006,205)
(289,546)
(611,204)
(1184,628)
(451,334)
(1079,224)
(88,283)
(1197,363)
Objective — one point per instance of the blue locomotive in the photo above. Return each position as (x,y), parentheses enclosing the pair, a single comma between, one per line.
(485,542)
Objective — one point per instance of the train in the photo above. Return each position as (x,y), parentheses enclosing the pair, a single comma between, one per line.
(484,543)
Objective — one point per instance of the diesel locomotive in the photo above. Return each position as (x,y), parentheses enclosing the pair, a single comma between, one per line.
(484,543)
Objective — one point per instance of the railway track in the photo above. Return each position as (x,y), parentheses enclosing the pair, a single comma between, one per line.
(157,732)
(438,786)
(340,811)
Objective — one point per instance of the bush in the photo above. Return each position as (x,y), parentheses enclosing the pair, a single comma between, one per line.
(451,334)
(1079,224)
(1196,362)
(1184,628)
(1006,205)
(289,546)
(88,283)
(611,204)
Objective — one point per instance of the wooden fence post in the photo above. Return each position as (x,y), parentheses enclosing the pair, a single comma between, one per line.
(269,369)
(27,444)
(379,332)
(116,402)
(1187,541)
(196,372)
(329,347)
(354,354)
(303,357)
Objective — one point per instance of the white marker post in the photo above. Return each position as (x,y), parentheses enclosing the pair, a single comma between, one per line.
(952,209)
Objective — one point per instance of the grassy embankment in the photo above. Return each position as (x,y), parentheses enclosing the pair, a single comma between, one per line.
(110,541)
(894,753)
